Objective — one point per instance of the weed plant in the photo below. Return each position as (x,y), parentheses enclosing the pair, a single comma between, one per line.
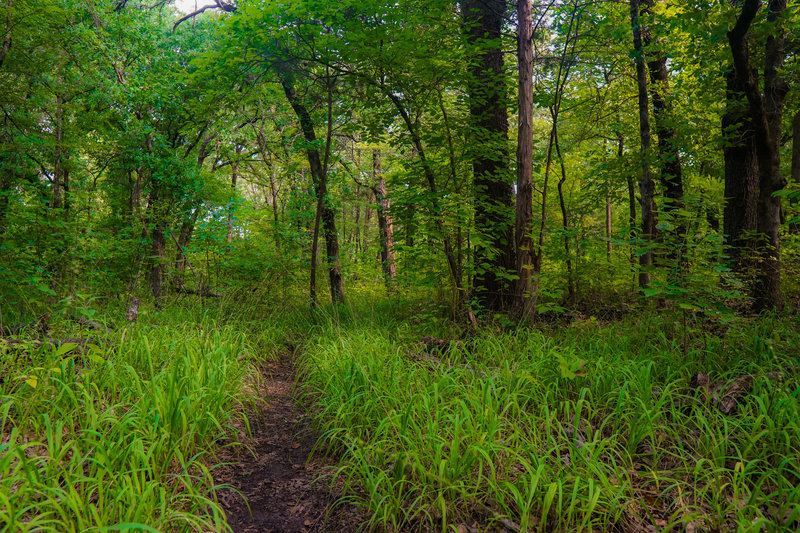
(121,435)
(591,427)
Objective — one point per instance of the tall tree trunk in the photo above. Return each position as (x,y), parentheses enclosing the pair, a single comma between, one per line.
(492,180)
(740,215)
(319,174)
(646,185)
(158,245)
(385,226)
(524,208)
(273,192)
(564,218)
(766,113)
(668,152)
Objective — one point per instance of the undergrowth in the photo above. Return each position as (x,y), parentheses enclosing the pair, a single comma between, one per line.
(582,428)
(121,434)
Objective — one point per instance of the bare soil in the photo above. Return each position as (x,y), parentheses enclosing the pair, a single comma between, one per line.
(281,487)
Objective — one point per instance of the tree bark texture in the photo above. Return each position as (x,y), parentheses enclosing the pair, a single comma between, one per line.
(740,215)
(766,111)
(666,132)
(524,208)
(489,119)
(646,185)
(385,226)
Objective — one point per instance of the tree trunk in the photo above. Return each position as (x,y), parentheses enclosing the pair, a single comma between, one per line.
(646,185)
(385,226)
(766,113)
(524,208)
(668,152)
(181,260)
(564,218)
(157,247)
(319,176)
(273,192)
(740,215)
(492,180)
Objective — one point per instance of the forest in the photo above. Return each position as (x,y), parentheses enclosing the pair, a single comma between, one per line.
(411,265)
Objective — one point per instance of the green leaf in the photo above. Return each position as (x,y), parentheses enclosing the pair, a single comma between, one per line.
(66,348)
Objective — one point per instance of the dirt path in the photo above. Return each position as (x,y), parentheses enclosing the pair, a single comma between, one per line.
(278,481)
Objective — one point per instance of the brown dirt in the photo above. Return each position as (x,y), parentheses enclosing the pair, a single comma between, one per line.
(285,487)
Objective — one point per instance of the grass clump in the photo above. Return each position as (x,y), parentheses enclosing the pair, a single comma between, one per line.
(592,427)
(119,435)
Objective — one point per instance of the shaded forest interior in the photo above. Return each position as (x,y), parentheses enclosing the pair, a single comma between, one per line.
(533,264)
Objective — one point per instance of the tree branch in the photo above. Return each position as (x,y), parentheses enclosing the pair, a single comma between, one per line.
(218,4)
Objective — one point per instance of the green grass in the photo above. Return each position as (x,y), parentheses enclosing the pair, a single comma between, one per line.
(500,428)
(124,434)
(590,427)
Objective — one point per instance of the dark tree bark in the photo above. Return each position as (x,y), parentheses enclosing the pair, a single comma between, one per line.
(740,215)
(319,177)
(668,153)
(524,207)
(766,111)
(492,180)
(646,185)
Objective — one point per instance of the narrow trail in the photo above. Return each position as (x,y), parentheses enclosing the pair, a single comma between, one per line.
(279,482)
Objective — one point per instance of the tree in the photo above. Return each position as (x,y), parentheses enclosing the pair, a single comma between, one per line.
(646,185)
(524,206)
(489,141)
(766,112)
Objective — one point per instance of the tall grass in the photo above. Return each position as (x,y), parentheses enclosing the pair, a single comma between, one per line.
(585,428)
(120,435)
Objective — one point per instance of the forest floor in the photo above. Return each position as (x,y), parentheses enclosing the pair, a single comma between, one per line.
(276,484)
